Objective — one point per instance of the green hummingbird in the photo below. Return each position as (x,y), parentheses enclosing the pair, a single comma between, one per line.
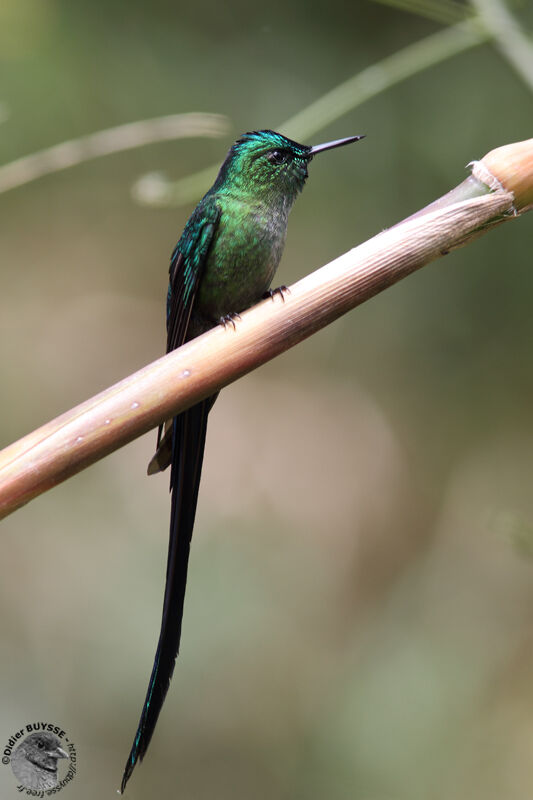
(223,263)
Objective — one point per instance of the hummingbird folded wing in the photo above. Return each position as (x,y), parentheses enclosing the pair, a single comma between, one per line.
(185,271)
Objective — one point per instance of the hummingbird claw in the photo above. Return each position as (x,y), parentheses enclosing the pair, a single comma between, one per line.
(278,290)
(229,319)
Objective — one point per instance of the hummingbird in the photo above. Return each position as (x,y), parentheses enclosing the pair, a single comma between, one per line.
(223,263)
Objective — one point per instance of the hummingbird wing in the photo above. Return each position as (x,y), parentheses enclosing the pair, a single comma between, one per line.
(186,264)
(188,440)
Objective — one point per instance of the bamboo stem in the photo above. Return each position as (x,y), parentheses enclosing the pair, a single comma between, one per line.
(141,401)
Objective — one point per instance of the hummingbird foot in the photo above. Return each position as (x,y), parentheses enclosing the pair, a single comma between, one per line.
(278,290)
(229,319)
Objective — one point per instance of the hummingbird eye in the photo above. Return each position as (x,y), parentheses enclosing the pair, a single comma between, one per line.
(278,156)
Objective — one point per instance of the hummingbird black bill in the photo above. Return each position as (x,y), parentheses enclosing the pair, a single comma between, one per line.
(319,148)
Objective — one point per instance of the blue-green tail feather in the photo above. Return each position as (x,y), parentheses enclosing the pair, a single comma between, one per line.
(188,444)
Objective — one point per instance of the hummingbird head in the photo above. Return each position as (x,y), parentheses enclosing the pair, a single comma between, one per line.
(266,162)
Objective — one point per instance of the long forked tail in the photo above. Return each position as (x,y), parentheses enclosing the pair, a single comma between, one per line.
(188,443)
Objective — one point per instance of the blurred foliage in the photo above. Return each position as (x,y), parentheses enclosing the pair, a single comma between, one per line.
(359,614)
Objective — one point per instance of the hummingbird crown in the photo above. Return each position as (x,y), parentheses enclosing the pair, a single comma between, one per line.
(265,160)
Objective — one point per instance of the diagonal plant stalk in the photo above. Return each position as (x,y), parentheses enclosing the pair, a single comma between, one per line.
(446,12)
(391,70)
(508,37)
(343,98)
(201,367)
(493,21)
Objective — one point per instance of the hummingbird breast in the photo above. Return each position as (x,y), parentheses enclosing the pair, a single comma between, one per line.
(242,260)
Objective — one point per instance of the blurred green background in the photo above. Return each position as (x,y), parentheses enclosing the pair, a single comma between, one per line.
(359,618)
